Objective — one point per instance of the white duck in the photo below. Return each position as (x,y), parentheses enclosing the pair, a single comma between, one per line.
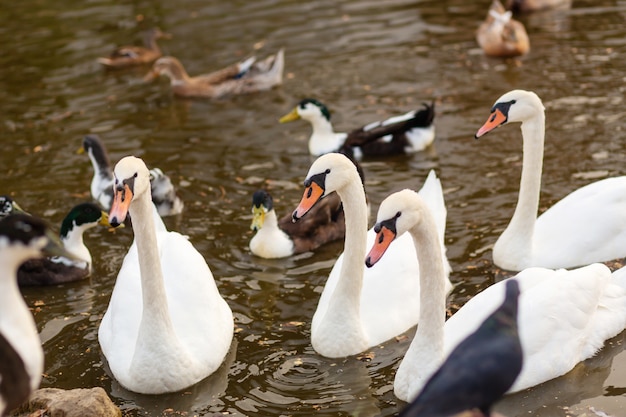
(359,309)
(564,316)
(166,327)
(588,225)
(21,357)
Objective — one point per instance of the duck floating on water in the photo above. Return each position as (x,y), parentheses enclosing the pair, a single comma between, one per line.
(128,56)
(245,77)
(408,133)
(500,35)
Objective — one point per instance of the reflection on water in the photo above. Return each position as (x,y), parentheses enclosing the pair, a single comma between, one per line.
(366,60)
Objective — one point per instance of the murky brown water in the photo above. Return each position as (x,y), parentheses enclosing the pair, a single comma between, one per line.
(367,60)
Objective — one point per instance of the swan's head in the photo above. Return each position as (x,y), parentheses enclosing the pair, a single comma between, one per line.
(262,203)
(308,109)
(514,106)
(330,172)
(131,180)
(397,214)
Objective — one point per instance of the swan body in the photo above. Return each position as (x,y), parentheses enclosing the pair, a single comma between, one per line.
(587,226)
(162,190)
(21,356)
(166,326)
(500,35)
(407,133)
(357,308)
(564,316)
(128,56)
(279,238)
(242,78)
(60,269)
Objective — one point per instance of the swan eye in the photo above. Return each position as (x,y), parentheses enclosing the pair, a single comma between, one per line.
(327,171)
(398,214)
(135,176)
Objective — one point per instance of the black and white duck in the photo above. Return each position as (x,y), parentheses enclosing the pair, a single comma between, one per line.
(404,134)
(163,193)
(9,206)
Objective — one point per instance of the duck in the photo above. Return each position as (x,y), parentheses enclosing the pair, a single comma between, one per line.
(499,35)
(359,309)
(60,269)
(556,306)
(584,227)
(22,237)
(128,56)
(280,238)
(404,134)
(163,192)
(9,206)
(528,6)
(479,370)
(166,326)
(245,77)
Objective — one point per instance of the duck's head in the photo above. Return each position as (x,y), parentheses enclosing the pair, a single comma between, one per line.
(168,66)
(514,106)
(330,172)
(9,206)
(28,237)
(397,214)
(262,203)
(308,109)
(131,181)
(84,216)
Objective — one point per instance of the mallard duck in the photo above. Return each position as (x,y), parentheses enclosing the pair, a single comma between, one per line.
(408,133)
(556,307)
(127,56)
(281,238)
(525,6)
(585,226)
(246,77)
(500,35)
(9,206)
(21,356)
(479,370)
(59,269)
(163,193)
(361,308)
(167,326)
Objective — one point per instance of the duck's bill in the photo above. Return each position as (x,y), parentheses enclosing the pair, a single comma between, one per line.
(383,239)
(290,117)
(312,194)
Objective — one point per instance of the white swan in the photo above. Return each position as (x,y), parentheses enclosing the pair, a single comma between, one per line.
(588,225)
(166,327)
(564,316)
(359,309)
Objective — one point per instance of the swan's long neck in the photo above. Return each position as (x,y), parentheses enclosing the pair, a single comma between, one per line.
(425,353)
(345,303)
(156,317)
(518,235)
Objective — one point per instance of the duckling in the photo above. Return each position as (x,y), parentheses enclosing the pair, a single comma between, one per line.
(127,56)
(21,356)
(527,6)
(59,269)
(408,133)
(281,238)
(9,206)
(246,77)
(500,35)
(163,193)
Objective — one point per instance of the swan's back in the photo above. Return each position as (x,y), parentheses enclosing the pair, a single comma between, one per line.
(564,318)
(588,225)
